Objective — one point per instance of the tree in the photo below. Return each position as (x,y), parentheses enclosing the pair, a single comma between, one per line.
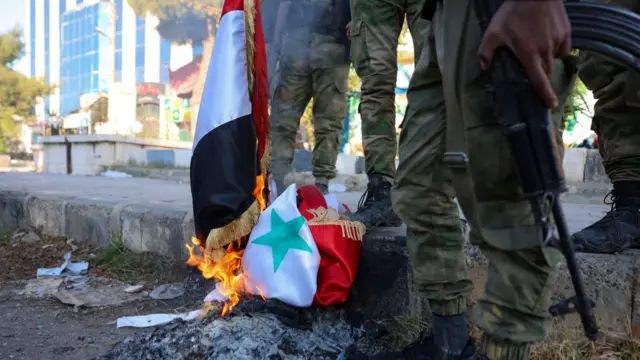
(18,93)
(185,21)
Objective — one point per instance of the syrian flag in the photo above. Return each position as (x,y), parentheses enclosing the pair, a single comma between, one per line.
(302,252)
(281,260)
(230,150)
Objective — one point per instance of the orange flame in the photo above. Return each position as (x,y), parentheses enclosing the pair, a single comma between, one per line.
(227,272)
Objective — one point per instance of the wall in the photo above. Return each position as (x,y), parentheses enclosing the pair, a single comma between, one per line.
(91,153)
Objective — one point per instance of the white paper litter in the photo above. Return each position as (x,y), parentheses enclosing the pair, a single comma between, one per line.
(215,295)
(337,188)
(332,201)
(74,268)
(150,320)
(115,174)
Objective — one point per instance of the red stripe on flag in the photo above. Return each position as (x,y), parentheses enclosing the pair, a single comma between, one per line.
(233,5)
(260,94)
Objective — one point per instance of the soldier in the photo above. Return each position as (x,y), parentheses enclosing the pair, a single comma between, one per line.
(450,88)
(374,31)
(313,64)
(617,91)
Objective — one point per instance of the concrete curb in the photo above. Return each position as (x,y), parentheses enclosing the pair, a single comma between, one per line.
(142,228)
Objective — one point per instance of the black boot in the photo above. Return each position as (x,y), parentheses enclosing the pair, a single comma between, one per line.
(426,349)
(619,229)
(374,207)
(324,188)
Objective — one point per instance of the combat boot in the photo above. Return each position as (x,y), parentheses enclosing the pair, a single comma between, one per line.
(426,349)
(619,229)
(374,207)
(324,188)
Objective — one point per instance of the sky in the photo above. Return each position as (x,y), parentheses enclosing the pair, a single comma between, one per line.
(12,14)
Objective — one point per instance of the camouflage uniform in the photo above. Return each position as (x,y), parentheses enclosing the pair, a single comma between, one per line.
(615,120)
(314,65)
(513,312)
(375,29)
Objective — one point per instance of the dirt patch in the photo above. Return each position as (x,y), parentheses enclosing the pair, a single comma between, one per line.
(119,262)
(19,260)
(45,328)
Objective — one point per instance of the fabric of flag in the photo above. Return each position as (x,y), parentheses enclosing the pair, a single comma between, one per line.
(302,251)
(339,241)
(231,149)
(281,260)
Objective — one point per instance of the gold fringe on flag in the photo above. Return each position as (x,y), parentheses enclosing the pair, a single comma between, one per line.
(353,230)
(219,239)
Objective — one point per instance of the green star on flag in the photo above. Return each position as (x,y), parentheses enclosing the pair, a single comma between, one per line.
(284,235)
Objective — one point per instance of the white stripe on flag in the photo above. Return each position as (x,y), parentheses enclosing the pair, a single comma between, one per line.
(228,88)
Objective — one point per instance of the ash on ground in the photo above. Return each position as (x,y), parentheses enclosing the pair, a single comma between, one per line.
(254,330)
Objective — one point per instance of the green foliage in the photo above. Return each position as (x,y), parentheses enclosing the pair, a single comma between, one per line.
(181,21)
(576,104)
(18,93)
(99,112)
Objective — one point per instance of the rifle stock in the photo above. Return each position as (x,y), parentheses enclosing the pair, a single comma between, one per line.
(529,128)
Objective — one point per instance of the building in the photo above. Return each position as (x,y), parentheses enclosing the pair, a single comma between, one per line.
(95,46)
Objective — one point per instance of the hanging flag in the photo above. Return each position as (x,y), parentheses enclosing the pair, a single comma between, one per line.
(231,149)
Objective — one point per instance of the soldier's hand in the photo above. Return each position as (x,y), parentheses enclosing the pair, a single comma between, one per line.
(348,28)
(537,32)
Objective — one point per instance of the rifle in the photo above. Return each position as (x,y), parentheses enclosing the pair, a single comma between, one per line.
(529,129)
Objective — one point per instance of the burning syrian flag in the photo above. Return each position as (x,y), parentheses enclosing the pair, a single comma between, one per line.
(231,149)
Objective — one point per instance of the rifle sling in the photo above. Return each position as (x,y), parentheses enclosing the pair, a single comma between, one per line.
(456,157)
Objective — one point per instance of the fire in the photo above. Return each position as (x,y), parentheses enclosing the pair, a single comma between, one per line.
(227,272)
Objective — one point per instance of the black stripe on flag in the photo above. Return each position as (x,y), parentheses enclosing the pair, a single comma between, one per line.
(223,174)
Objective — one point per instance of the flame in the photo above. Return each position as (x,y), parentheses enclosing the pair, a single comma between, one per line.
(228,271)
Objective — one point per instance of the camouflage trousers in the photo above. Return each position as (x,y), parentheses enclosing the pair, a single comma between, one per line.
(322,76)
(617,109)
(375,28)
(514,306)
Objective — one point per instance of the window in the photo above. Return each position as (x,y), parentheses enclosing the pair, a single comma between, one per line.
(118,60)
(140,57)
(95,82)
(164,74)
(139,75)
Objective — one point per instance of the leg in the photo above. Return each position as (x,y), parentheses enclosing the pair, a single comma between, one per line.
(375,29)
(617,91)
(513,312)
(418,27)
(329,110)
(374,35)
(292,95)
(423,198)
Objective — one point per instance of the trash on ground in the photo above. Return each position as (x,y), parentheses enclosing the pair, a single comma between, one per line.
(134,288)
(41,287)
(115,174)
(94,292)
(215,295)
(334,188)
(142,321)
(167,291)
(74,268)
(72,244)
(30,238)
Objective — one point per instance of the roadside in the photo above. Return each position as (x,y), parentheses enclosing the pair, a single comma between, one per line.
(36,324)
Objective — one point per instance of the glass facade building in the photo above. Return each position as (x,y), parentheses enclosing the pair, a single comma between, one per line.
(85,63)
(84,46)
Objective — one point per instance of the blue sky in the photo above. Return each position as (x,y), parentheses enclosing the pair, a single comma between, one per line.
(12,14)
